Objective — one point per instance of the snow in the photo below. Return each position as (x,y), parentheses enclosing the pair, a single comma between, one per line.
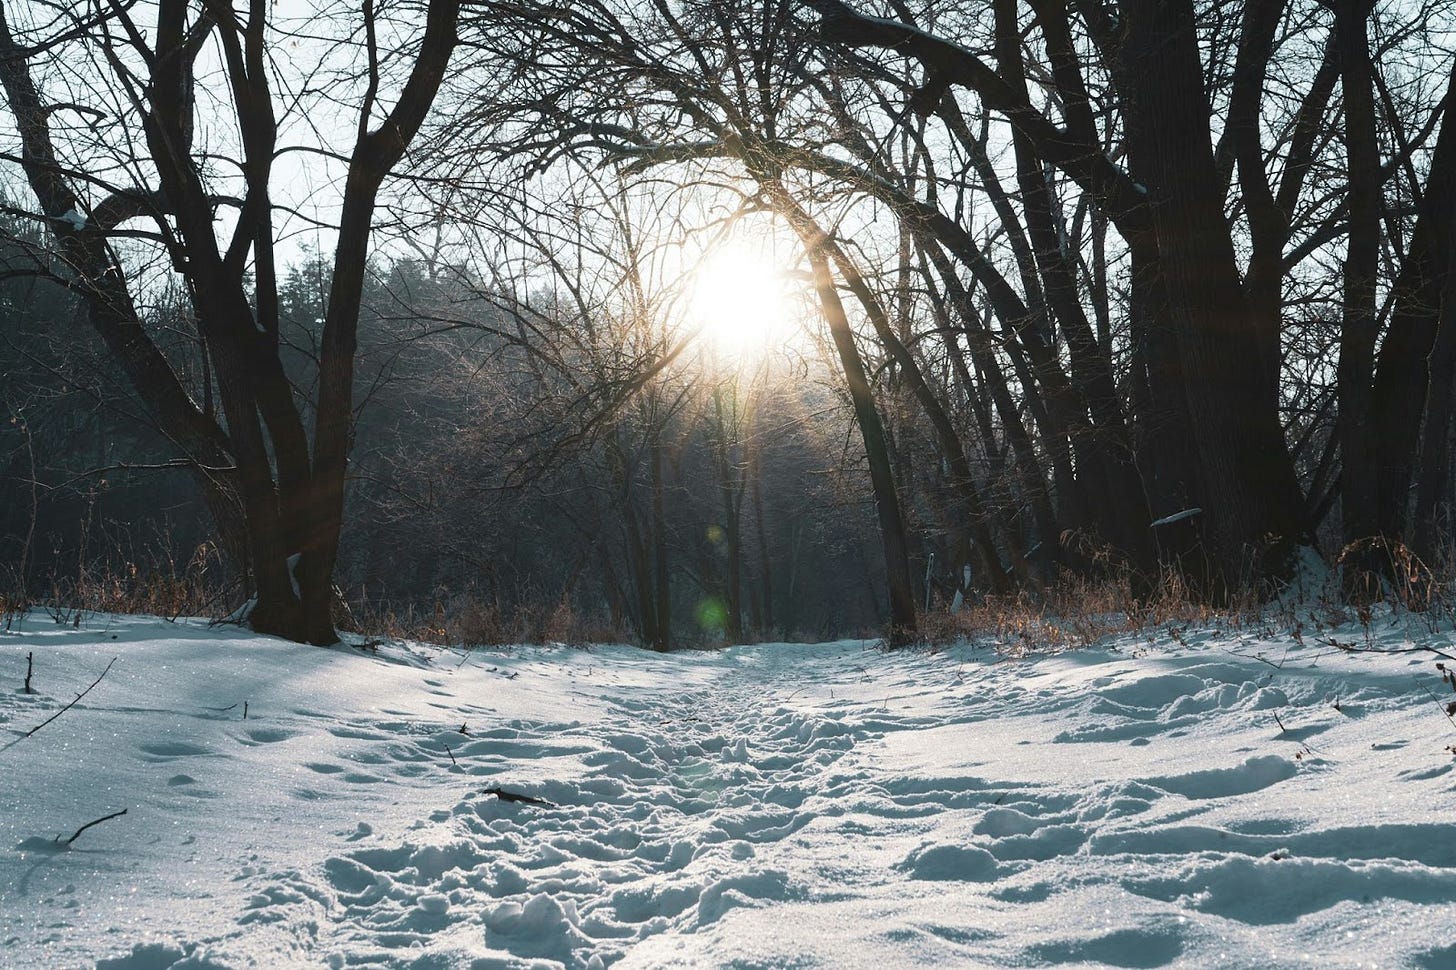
(1175,517)
(1194,796)
(73,219)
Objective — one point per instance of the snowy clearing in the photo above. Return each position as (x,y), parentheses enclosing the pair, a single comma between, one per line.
(1238,799)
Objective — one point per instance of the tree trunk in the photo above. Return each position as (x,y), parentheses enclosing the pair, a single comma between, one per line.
(1431,537)
(765,559)
(1358,327)
(1403,381)
(1252,518)
(1163,441)
(730,491)
(887,503)
(662,583)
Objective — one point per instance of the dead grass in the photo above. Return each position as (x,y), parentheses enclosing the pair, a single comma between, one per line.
(464,620)
(165,589)
(1079,612)
(13,606)
(1384,570)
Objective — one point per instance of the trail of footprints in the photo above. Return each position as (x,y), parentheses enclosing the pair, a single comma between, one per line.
(676,818)
(652,828)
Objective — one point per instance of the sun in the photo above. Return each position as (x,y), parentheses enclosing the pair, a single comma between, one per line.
(738,300)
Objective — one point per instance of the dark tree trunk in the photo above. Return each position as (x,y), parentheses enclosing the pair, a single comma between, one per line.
(765,557)
(1163,442)
(1358,326)
(1431,535)
(1404,383)
(882,481)
(375,154)
(730,493)
(662,581)
(1252,518)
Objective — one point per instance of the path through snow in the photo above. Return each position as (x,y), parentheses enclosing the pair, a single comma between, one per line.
(763,806)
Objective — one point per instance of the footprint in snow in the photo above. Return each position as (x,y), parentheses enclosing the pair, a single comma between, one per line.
(1153,946)
(1425,774)
(323,767)
(1255,774)
(158,752)
(266,735)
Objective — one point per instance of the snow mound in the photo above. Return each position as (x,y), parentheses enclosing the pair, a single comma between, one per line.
(951,862)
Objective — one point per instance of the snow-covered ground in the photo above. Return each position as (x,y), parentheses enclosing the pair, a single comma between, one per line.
(1197,798)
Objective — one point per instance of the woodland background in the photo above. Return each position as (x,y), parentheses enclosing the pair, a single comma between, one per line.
(372,314)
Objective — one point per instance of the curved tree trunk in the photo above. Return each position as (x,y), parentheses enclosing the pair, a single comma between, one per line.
(893,541)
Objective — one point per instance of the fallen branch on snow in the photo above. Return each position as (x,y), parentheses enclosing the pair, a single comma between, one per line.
(104,818)
(508,796)
(1416,648)
(68,706)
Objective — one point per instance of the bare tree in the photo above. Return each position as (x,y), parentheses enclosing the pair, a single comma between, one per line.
(273,484)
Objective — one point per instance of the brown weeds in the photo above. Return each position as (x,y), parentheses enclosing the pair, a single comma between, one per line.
(467,620)
(1080,612)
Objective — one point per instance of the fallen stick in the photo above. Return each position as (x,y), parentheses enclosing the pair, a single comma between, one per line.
(72,704)
(1353,648)
(104,818)
(508,796)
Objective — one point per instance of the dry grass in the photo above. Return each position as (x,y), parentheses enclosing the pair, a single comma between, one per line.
(200,588)
(1378,569)
(1079,612)
(165,589)
(13,606)
(467,621)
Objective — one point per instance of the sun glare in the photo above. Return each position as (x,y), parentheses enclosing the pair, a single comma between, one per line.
(739,301)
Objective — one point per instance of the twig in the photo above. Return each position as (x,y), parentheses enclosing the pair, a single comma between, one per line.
(72,704)
(508,796)
(1263,659)
(450,753)
(1351,648)
(104,818)
(1444,708)
(29,668)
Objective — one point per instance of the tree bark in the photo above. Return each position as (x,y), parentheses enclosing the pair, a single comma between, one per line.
(1358,326)
(662,577)
(887,503)
(1404,385)
(1252,521)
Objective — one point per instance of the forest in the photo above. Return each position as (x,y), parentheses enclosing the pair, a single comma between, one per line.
(692,322)
(734,484)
